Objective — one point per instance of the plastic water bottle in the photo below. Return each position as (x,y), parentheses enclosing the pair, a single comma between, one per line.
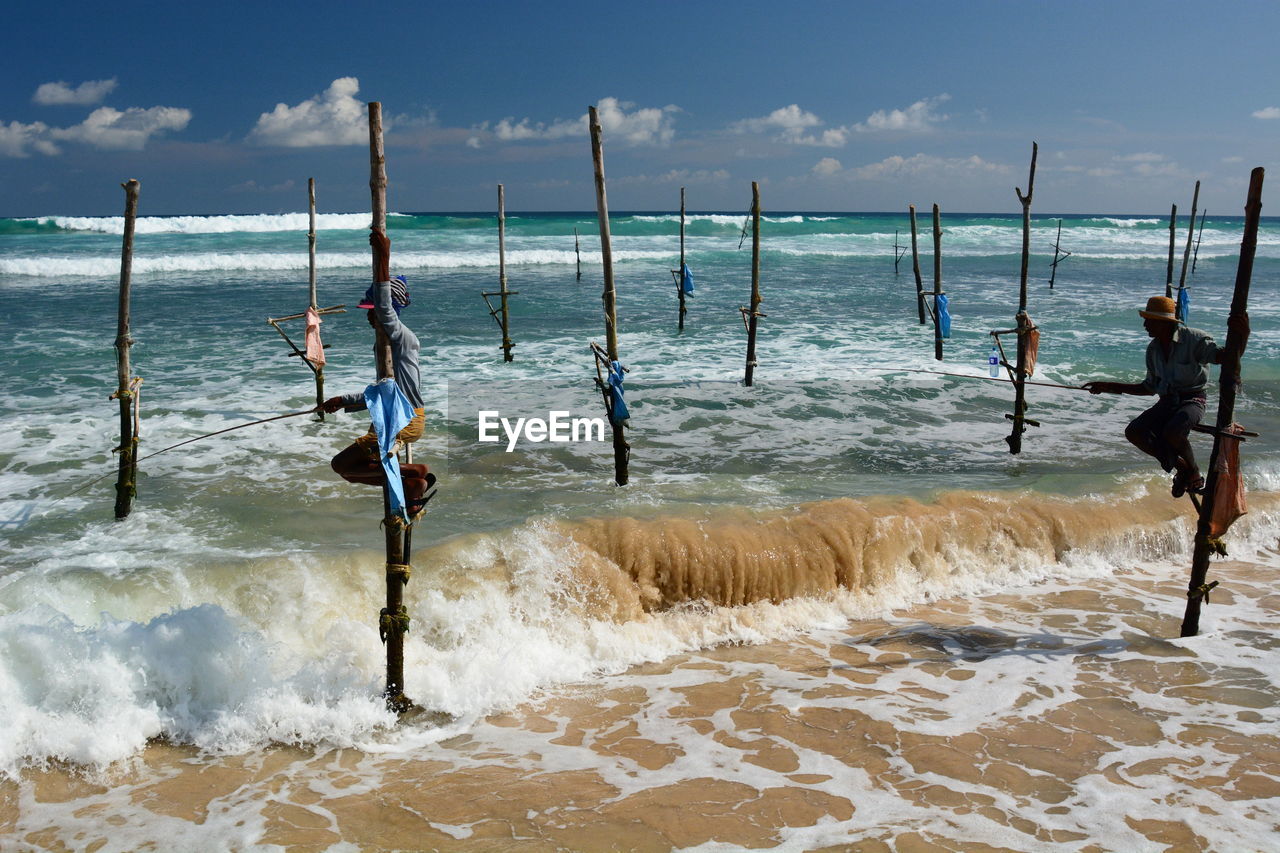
(993,363)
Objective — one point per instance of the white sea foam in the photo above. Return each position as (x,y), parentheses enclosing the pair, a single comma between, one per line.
(226,224)
(1121,222)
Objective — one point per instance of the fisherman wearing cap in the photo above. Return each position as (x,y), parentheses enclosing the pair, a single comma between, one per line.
(1178,360)
(360,462)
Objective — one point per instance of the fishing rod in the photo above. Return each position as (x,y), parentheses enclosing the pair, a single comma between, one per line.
(198,438)
(991,378)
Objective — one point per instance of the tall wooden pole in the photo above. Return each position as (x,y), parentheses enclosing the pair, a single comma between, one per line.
(621,450)
(1173,233)
(753,318)
(577,253)
(915,264)
(127,476)
(1186,253)
(1024,324)
(937,283)
(502,276)
(1228,380)
(394,619)
(680,285)
(311,280)
(1196,253)
(1057,247)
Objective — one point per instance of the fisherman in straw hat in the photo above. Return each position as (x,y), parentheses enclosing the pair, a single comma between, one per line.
(1178,360)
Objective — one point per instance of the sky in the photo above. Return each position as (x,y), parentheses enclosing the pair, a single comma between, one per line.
(230,107)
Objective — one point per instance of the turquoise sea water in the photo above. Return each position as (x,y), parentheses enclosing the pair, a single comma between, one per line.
(249,542)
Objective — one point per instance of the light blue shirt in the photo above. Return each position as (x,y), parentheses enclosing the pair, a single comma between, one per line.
(1185,370)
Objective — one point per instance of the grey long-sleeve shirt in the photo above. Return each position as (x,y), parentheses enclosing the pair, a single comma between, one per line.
(404,351)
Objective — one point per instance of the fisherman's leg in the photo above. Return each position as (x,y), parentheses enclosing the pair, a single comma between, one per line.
(1176,435)
(1145,433)
(354,465)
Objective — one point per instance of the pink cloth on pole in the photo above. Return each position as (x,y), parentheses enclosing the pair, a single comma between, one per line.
(315,349)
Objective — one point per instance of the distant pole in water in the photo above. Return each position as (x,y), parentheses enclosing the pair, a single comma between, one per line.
(1023,321)
(621,450)
(915,264)
(127,387)
(752,317)
(577,253)
(502,313)
(898,252)
(937,284)
(1196,253)
(1173,231)
(680,275)
(1205,546)
(1186,253)
(1059,255)
(393,621)
(311,280)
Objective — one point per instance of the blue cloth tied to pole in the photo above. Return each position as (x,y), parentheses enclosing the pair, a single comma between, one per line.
(391,412)
(1184,304)
(944,316)
(617,406)
(686,279)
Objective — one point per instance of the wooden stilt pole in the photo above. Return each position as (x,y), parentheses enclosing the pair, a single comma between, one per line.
(1196,253)
(1058,256)
(393,621)
(311,280)
(1024,324)
(1186,253)
(577,253)
(502,276)
(621,450)
(753,316)
(915,264)
(1173,232)
(1229,378)
(126,387)
(898,251)
(937,283)
(680,278)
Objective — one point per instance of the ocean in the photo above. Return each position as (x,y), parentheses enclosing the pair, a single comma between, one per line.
(830,610)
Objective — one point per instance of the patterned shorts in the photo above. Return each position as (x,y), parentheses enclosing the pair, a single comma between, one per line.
(411,433)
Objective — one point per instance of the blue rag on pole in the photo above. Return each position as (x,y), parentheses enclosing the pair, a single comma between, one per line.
(944,316)
(686,279)
(617,406)
(391,412)
(1184,304)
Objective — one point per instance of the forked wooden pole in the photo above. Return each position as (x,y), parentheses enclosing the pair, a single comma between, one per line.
(621,450)
(1173,238)
(1024,324)
(393,621)
(753,317)
(680,282)
(502,276)
(126,387)
(1228,379)
(1199,234)
(915,264)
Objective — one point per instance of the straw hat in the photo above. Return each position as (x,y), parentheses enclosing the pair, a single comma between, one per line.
(1160,308)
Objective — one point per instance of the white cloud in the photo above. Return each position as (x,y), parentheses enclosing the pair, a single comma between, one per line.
(793,125)
(110,128)
(645,126)
(917,118)
(1140,157)
(16,138)
(1267,112)
(675,176)
(87,93)
(334,117)
(919,164)
(826,167)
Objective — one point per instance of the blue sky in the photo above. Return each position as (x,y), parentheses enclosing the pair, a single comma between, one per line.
(229,107)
